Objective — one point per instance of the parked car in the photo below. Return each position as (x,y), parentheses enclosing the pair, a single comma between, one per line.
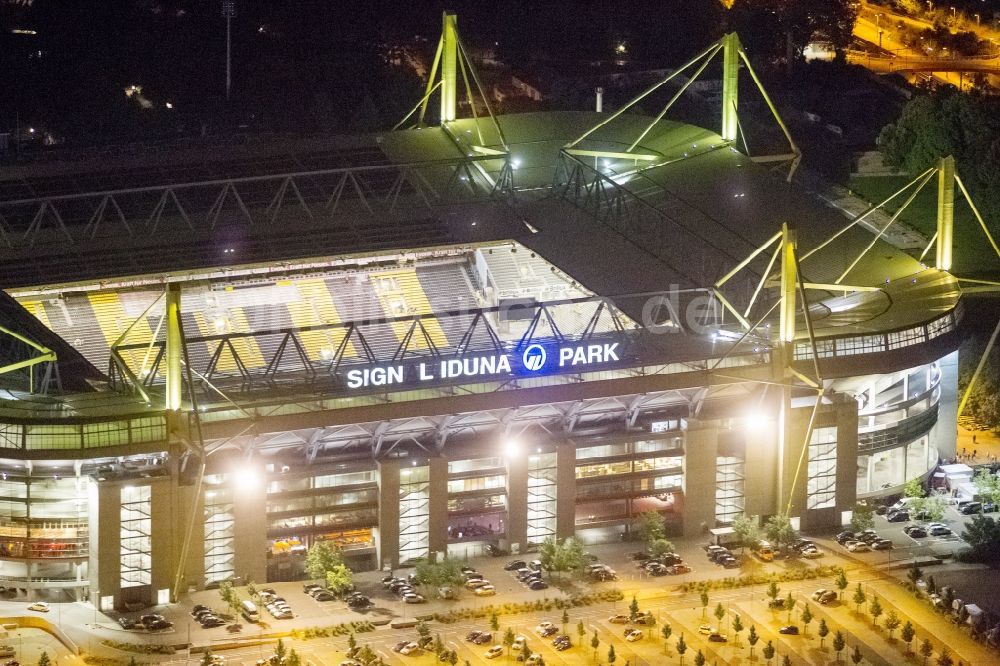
(828,597)
(485,591)
(971,508)
(677,569)
(633,636)
(844,536)
(562,643)
(538,585)
(859,547)
(410,648)
(126,623)
(707,629)
(898,516)
(789,629)
(717,638)
(917,532)
(414,598)
(776,603)
(211,621)
(484,638)
(39,606)
(514,565)
(882,544)
(494,652)
(619,619)
(939,530)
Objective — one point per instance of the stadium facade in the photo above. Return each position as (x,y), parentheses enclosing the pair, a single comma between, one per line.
(481,333)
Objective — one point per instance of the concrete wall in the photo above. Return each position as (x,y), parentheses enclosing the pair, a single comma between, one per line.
(437,522)
(517,501)
(250,527)
(701,450)
(105,540)
(565,490)
(387,537)
(761,468)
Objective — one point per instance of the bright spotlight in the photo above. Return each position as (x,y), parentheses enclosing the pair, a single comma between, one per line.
(755,421)
(511,449)
(246,478)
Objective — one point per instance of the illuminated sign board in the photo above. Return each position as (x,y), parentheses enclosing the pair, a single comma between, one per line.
(535,359)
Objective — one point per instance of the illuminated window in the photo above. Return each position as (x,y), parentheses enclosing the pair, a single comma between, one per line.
(135,531)
(729,488)
(220,549)
(821,488)
(541,497)
(414,509)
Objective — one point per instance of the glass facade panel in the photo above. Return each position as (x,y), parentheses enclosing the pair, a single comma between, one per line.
(477,483)
(220,548)
(414,509)
(474,465)
(136,543)
(730,488)
(602,451)
(821,488)
(541,497)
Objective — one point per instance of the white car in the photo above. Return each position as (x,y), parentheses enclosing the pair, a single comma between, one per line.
(859,547)
(494,652)
(519,642)
(39,606)
(812,553)
(633,636)
(707,629)
(818,593)
(413,598)
(410,648)
(543,625)
(485,591)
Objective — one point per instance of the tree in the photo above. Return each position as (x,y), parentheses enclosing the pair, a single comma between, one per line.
(875,609)
(719,613)
(611,654)
(914,488)
(746,529)
(773,590)
(987,485)
(859,597)
(44,660)
(935,505)
(352,642)
(737,627)
(782,28)
(339,579)
(892,622)
(768,651)
(294,659)
(595,642)
(752,639)
(823,630)
(581,631)
(926,650)
(838,644)
(438,644)
(699,659)
(790,604)
(944,659)
(453,658)
(786,661)
(649,526)
(931,585)
(508,640)
(856,655)
(806,617)
(914,573)
(862,518)
(422,629)
(561,555)
(280,651)
(982,534)
(495,622)
(779,531)
(660,547)
(321,557)
(252,590)
(841,583)
(206,659)
(366,655)
(665,631)
(633,607)
(681,647)
(907,634)
(439,574)
(565,619)
(525,652)
(704,602)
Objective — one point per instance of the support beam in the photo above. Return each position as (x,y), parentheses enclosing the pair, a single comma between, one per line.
(789,282)
(730,85)
(449,67)
(945,212)
(174,351)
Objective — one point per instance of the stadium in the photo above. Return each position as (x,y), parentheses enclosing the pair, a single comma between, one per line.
(454,337)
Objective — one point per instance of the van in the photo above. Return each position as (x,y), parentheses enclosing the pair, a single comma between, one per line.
(249,611)
(765,552)
(903,503)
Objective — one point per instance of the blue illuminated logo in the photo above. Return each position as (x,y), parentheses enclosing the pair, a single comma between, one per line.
(533,358)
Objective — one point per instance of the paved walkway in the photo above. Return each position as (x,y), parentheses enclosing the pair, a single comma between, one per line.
(986,446)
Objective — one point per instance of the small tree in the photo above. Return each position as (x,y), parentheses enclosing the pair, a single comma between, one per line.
(595,643)
(438,644)
(719,613)
(452,658)
(339,579)
(859,598)
(790,604)
(525,652)
(907,634)
(280,651)
(862,518)
(931,585)
(633,607)
(752,639)
(823,630)
(581,631)
(768,651)
(352,642)
(565,619)
(495,622)
(660,547)
(366,655)
(875,609)
(773,590)
(681,647)
(508,640)
(779,531)
(650,526)
(206,659)
(699,659)
(665,631)
(944,659)
(423,630)
(841,583)
(892,622)
(294,659)
(252,590)
(856,655)
(321,557)
(806,617)
(786,661)
(611,654)
(914,574)
(737,627)
(839,643)
(704,603)
(926,650)
(746,529)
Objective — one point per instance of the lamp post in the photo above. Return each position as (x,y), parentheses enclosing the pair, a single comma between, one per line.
(228,12)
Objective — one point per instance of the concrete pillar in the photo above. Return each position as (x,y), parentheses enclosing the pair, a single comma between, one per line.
(250,527)
(565,490)
(437,522)
(730,86)
(847,456)
(700,453)
(761,468)
(449,67)
(164,532)
(105,540)
(945,212)
(387,533)
(517,501)
(174,348)
(188,505)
